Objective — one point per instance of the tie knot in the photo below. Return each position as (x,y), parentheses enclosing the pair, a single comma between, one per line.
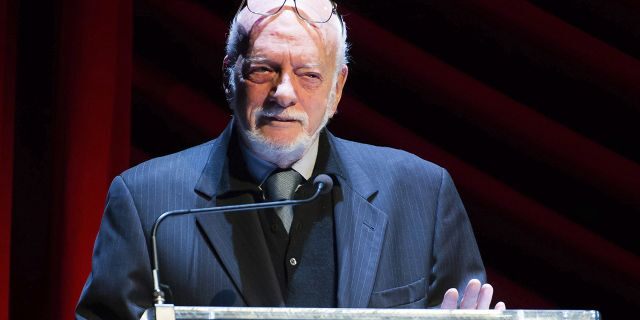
(282,184)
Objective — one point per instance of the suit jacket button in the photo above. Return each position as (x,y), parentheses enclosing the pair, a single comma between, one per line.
(293,261)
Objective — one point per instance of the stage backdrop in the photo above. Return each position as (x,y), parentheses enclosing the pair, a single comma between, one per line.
(533,106)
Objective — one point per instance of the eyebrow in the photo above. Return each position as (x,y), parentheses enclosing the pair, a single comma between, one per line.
(260,59)
(256,59)
(309,65)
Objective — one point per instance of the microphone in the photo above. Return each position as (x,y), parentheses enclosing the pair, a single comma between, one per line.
(322,182)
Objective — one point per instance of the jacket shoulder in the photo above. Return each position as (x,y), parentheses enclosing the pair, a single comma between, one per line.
(186,163)
(384,159)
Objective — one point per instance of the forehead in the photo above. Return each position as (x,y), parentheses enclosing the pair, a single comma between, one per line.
(286,31)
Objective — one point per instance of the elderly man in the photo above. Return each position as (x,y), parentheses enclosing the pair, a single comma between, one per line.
(391,233)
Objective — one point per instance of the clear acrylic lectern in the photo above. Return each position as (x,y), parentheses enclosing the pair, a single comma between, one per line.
(170,312)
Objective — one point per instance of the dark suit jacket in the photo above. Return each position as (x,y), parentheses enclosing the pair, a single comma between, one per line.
(402,234)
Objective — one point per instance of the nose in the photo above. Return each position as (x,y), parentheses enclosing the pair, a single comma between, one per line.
(285,94)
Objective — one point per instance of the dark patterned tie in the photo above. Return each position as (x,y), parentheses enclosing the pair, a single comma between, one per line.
(282,185)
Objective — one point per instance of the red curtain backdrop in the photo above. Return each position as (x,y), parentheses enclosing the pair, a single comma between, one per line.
(92,132)
(7,83)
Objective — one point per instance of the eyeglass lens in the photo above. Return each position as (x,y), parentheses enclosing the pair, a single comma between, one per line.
(312,11)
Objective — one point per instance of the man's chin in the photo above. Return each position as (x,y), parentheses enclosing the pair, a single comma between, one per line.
(280,150)
(281,137)
(280,142)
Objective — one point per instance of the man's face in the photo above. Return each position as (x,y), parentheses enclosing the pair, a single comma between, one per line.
(286,83)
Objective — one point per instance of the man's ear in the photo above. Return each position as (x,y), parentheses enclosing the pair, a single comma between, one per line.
(226,77)
(342,79)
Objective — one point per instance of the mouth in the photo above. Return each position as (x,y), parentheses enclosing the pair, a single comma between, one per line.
(271,119)
(280,118)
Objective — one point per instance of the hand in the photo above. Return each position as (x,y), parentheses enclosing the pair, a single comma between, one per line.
(476,296)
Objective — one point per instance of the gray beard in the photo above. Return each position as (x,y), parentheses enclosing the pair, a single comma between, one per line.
(282,155)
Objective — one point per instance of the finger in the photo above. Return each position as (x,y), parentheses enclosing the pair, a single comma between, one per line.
(500,306)
(470,297)
(484,298)
(450,300)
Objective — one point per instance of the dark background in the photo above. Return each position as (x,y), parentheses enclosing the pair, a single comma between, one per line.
(533,106)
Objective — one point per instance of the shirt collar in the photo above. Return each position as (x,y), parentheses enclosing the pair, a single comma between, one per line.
(261,169)
(305,165)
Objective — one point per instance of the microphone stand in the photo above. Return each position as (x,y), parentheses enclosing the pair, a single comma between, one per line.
(323,184)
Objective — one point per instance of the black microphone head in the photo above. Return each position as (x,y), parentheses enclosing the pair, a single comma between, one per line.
(327,182)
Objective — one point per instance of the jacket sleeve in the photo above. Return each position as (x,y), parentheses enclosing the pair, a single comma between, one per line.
(119,286)
(456,258)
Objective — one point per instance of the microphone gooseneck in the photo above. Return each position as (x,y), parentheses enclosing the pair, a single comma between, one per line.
(323,183)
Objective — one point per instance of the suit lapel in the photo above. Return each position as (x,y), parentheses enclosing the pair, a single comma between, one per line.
(360,228)
(237,238)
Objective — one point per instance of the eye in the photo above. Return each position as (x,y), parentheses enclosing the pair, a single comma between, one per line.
(313,75)
(259,69)
(259,73)
(310,79)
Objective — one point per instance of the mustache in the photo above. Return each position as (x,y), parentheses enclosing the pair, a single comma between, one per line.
(287,114)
